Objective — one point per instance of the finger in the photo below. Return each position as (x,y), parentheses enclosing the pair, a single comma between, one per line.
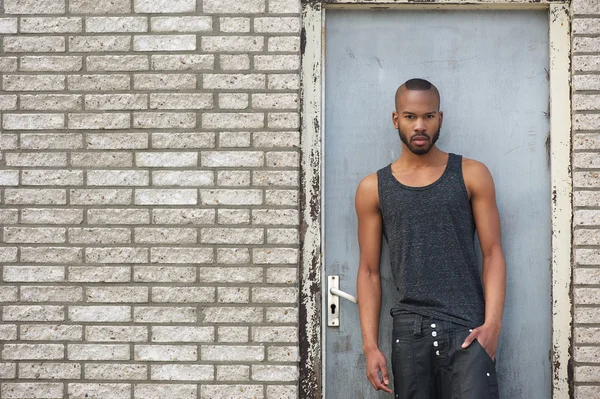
(385,374)
(470,338)
(377,384)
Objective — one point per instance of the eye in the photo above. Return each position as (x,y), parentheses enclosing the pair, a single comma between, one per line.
(408,116)
(430,116)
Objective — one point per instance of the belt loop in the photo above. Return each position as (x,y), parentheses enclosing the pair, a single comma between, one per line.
(418,322)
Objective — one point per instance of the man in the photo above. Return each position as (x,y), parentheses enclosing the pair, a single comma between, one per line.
(427,204)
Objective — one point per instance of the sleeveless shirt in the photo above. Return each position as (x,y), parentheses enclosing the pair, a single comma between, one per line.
(430,233)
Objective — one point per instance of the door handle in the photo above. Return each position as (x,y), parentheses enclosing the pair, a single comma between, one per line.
(333,300)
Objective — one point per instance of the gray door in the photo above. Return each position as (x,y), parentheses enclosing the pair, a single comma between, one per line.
(491,69)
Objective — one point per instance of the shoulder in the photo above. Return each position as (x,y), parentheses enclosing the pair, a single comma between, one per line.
(367,191)
(477,176)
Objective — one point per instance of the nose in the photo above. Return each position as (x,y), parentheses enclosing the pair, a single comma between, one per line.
(420,126)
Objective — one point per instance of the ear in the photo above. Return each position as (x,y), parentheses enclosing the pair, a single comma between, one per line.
(441,119)
(395,120)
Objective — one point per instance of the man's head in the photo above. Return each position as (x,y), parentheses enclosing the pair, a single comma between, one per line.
(417,116)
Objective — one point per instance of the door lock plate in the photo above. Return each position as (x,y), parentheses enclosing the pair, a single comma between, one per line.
(333,302)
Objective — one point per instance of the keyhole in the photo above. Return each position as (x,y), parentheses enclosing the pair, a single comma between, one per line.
(333,308)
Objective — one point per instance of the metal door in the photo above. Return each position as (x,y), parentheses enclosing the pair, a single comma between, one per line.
(491,68)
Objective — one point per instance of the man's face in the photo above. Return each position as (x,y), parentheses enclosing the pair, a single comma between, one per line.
(418,120)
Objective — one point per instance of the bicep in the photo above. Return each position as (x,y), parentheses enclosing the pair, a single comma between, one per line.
(485,211)
(369,227)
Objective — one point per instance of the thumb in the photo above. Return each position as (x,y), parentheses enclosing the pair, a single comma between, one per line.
(385,375)
(470,338)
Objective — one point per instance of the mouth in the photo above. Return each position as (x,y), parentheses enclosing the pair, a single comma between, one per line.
(420,140)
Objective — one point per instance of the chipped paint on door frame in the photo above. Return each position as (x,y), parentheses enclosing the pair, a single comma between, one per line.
(312,338)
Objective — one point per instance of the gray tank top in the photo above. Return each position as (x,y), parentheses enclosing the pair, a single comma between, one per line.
(430,232)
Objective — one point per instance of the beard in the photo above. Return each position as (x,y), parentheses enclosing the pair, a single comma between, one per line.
(422,150)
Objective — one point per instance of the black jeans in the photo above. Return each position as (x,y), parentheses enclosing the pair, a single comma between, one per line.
(429,363)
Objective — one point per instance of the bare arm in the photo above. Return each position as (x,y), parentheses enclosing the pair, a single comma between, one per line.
(368,282)
(485,212)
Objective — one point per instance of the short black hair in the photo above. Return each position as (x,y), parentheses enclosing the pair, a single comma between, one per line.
(418,84)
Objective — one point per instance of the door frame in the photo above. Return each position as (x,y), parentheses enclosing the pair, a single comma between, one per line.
(312,289)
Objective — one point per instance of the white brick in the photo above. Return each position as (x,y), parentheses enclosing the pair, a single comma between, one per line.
(181,255)
(111,371)
(116,255)
(233,100)
(233,295)
(118,177)
(103,141)
(586,315)
(33,121)
(233,373)
(45,196)
(274,295)
(232,353)
(183,294)
(231,197)
(232,315)
(283,354)
(8,332)
(234,216)
(233,334)
(231,236)
(164,6)
(580,7)
(230,274)
(231,391)
(51,177)
(232,44)
(164,81)
(109,120)
(275,178)
(182,334)
(8,64)
(182,372)
(164,42)
(233,178)
(234,24)
(51,294)
(233,6)
(283,120)
(98,82)
(161,314)
(98,352)
(99,390)
(233,255)
(586,44)
(117,294)
(99,274)
(182,178)
(101,159)
(33,351)
(587,354)
(284,43)
(275,255)
(165,235)
(51,332)
(181,24)
(275,216)
(586,63)
(36,159)
(164,120)
(234,62)
(33,273)
(34,7)
(586,237)
(116,24)
(282,236)
(8,25)
(165,353)
(181,101)
(50,371)
(234,81)
(585,101)
(8,102)
(274,373)
(275,101)
(157,391)
(33,313)
(182,62)
(284,7)
(99,43)
(283,82)
(116,333)
(51,24)
(50,63)
(586,275)
(8,293)
(183,216)
(282,315)
(232,158)
(276,62)
(277,25)
(586,335)
(586,122)
(118,216)
(166,197)
(164,274)
(100,196)
(8,254)
(51,102)
(107,102)
(276,139)
(279,275)
(100,313)
(183,140)
(45,390)
(587,373)
(275,334)
(99,6)
(9,178)
(585,26)
(51,255)
(234,139)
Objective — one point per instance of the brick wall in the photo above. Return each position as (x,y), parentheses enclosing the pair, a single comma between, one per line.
(586,197)
(149,198)
(149,192)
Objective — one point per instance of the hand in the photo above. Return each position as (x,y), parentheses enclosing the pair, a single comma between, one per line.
(487,336)
(376,363)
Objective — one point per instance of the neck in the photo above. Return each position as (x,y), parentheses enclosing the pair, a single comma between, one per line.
(409,160)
